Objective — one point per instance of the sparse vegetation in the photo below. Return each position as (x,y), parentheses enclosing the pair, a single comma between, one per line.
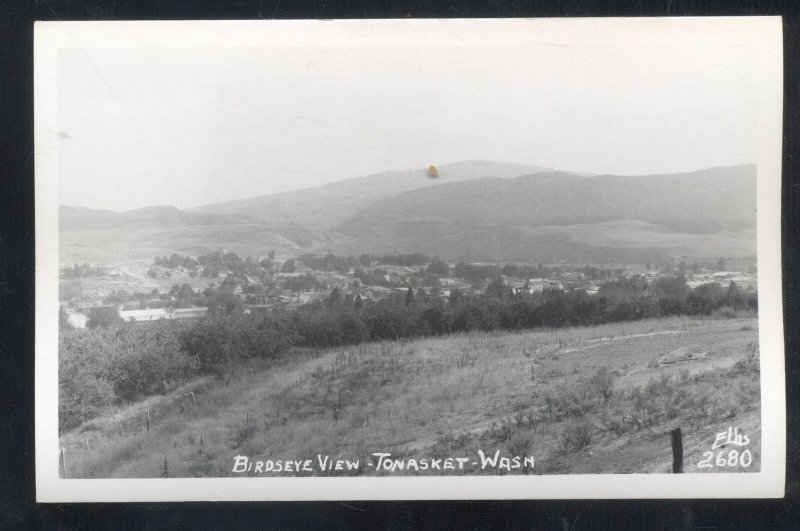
(448,395)
(576,434)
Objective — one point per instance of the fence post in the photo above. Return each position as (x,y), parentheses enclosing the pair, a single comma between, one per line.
(677,451)
(64,462)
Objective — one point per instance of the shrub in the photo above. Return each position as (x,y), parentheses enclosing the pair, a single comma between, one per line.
(354,330)
(576,434)
(724,312)
(602,384)
(81,397)
(750,361)
(83,389)
(520,443)
(103,317)
(102,366)
(147,359)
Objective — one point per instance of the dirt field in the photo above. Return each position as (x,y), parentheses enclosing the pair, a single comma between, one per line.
(581,400)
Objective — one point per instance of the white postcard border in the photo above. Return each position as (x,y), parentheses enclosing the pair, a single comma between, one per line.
(50,37)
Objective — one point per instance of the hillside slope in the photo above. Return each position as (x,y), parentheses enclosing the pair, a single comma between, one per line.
(79,218)
(322,207)
(703,201)
(523,394)
(558,216)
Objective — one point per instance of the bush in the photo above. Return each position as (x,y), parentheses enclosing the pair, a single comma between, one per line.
(106,365)
(519,444)
(83,388)
(750,361)
(103,317)
(220,340)
(602,384)
(576,434)
(724,312)
(147,360)
(81,397)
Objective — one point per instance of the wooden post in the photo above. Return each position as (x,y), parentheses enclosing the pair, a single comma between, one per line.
(148,419)
(677,451)
(63,462)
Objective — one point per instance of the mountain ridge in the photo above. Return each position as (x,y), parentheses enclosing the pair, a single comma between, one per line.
(540,216)
(325,205)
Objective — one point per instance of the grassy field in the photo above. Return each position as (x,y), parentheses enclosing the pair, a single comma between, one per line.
(579,400)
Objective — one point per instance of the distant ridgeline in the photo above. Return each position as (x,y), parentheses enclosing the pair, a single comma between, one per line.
(472,211)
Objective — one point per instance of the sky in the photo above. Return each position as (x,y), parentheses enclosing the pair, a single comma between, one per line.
(189,125)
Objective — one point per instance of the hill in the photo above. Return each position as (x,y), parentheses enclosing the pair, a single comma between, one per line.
(79,218)
(475,210)
(558,216)
(324,206)
(282,222)
(579,400)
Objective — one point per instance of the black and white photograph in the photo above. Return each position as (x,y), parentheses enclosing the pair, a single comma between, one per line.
(458,258)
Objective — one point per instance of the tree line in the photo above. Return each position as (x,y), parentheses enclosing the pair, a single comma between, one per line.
(117,362)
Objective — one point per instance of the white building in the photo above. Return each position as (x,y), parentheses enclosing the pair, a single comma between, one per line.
(155,314)
(77,319)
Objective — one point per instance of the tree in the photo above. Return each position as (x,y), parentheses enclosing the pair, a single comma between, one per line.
(722,264)
(117,297)
(353,329)
(732,294)
(271,255)
(358,302)
(103,317)
(185,292)
(497,289)
(673,287)
(223,300)
(409,297)
(455,296)
(438,267)
(335,298)
(69,289)
(288,266)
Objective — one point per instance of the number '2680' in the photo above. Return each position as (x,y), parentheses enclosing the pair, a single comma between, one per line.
(729,458)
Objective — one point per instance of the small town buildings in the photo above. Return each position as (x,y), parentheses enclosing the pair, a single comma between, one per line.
(155,314)
(538,285)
